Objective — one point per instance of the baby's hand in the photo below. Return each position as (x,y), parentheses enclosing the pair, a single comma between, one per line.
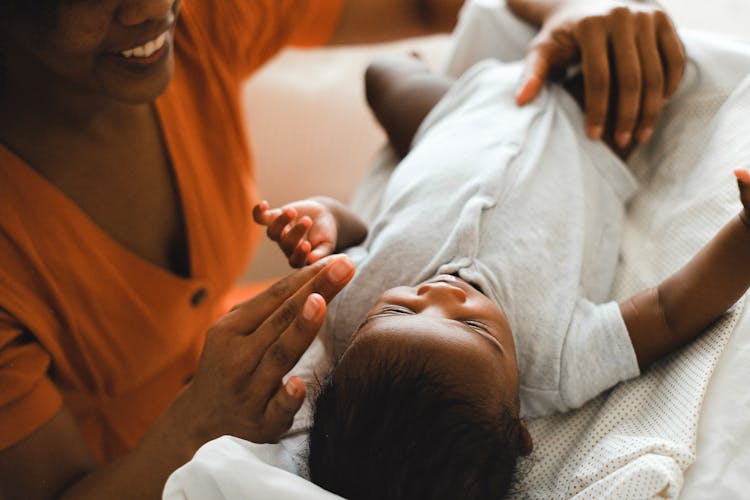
(743,183)
(305,230)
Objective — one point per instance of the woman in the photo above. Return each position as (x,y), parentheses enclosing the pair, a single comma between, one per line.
(125,188)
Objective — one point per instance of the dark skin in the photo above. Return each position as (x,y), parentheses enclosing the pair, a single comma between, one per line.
(73,111)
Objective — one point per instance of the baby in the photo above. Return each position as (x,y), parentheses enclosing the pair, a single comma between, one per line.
(496,243)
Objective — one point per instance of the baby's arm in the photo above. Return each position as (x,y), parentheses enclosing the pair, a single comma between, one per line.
(662,319)
(308,230)
(401,91)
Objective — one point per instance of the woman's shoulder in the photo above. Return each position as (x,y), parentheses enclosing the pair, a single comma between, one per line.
(243,35)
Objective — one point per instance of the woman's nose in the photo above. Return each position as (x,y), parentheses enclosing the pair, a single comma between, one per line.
(441,290)
(135,12)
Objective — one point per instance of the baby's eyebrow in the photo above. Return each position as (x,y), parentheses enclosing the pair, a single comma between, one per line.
(384,311)
(495,343)
(369,319)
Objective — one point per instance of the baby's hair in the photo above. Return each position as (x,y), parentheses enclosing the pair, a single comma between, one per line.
(392,429)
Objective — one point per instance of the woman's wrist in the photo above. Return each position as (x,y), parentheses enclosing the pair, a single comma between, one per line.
(180,431)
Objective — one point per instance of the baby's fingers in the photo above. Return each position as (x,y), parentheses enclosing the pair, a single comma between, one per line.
(276,228)
(320,251)
(263,214)
(298,258)
(743,179)
(293,234)
(743,183)
(536,69)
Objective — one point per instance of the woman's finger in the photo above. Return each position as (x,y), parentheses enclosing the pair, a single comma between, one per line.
(247,316)
(336,273)
(536,69)
(653,77)
(279,414)
(628,71)
(673,53)
(592,39)
(286,349)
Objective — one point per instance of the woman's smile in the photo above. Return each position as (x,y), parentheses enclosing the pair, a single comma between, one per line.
(145,56)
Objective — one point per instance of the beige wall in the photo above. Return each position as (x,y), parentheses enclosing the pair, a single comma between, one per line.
(312,133)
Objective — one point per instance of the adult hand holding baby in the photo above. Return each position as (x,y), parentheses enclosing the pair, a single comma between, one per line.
(238,387)
(633,43)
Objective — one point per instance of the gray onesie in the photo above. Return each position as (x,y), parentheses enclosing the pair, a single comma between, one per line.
(521,203)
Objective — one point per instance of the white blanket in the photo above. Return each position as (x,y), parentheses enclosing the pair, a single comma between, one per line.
(638,440)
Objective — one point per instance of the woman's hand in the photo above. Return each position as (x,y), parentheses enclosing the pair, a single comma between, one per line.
(236,390)
(238,387)
(632,60)
(305,230)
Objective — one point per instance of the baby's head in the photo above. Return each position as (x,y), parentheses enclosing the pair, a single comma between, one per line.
(424,402)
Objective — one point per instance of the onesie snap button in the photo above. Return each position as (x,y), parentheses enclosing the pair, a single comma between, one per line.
(198,297)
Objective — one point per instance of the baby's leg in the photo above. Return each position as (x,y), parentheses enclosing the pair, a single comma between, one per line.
(401,92)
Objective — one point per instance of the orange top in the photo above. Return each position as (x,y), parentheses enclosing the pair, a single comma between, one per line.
(84,320)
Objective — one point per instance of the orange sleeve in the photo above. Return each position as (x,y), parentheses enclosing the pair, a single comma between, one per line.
(28,398)
(246,33)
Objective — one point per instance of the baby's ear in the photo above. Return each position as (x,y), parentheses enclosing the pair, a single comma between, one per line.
(527,445)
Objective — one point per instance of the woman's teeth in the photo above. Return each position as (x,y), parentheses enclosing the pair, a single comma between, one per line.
(147,49)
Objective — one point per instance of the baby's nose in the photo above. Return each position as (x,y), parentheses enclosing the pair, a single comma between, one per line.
(442,290)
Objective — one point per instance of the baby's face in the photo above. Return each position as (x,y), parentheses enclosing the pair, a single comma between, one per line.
(448,323)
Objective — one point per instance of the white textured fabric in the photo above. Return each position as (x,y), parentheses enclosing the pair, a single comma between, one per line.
(230,468)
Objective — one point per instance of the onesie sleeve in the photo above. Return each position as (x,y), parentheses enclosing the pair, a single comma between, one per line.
(597,353)
(28,398)
(246,33)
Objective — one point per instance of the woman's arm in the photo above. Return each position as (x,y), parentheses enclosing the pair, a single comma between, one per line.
(663,319)
(237,390)
(370,21)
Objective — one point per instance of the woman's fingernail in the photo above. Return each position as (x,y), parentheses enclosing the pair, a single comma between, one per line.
(311,307)
(596,131)
(624,138)
(339,271)
(291,387)
(645,135)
